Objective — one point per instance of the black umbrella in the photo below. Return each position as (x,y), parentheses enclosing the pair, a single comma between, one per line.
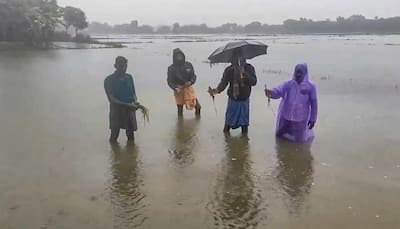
(249,50)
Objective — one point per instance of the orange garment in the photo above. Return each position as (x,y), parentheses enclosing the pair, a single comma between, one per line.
(187,97)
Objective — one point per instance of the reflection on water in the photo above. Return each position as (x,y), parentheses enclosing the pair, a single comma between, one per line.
(184,142)
(237,200)
(294,172)
(126,196)
(43,91)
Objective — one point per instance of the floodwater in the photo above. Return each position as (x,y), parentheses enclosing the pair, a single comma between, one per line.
(57,169)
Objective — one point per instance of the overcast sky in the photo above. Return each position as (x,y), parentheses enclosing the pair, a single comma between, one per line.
(216,12)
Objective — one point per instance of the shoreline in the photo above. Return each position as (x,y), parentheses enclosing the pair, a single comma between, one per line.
(240,34)
(56,45)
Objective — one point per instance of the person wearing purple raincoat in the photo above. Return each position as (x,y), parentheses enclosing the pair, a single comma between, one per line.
(298,110)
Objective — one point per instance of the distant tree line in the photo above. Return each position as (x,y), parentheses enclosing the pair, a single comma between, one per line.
(38,22)
(353,24)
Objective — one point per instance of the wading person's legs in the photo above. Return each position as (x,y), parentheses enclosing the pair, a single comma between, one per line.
(130,135)
(227,128)
(114,135)
(198,108)
(284,128)
(180,110)
(245,129)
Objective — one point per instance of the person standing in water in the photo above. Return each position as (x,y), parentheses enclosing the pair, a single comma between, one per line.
(299,106)
(181,78)
(241,77)
(121,93)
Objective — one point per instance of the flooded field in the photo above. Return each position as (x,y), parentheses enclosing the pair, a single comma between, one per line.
(57,169)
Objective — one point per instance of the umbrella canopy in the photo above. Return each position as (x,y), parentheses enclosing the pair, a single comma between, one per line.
(249,50)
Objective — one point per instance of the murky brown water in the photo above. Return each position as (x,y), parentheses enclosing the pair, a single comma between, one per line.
(58,170)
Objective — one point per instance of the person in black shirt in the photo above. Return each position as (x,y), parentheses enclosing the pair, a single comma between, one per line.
(181,78)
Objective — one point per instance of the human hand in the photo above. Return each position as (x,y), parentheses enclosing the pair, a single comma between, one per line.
(311,125)
(268,93)
(178,89)
(139,106)
(212,91)
(132,106)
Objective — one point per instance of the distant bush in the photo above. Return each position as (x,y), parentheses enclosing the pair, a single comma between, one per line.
(81,38)
(36,22)
(62,37)
(354,24)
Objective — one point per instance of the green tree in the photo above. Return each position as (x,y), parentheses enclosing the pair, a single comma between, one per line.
(254,27)
(164,29)
(68,17)
(74,17)
(35,21)
(13,21)
(176,28)
(43,18)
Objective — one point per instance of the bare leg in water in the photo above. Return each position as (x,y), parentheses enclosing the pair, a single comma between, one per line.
(198,108)
(130,135)
(180,110)
(227,128)
(245,130)
(114,136)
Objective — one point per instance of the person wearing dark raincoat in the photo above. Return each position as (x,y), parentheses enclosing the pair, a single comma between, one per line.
(181,78)
(298,110)
(121,93)
(241,77)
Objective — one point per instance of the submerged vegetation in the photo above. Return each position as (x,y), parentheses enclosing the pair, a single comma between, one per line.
(145,113)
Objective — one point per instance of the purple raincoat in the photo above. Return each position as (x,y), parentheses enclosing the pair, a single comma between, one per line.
(299,106)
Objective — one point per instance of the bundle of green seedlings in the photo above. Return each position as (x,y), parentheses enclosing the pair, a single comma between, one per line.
(145,112)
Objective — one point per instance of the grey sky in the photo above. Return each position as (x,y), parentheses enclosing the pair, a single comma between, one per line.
(216,12)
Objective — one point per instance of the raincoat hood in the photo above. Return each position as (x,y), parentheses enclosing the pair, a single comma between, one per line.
(176,52)
(302,68)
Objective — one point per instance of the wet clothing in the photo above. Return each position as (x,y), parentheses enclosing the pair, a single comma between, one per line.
(298,107)
(187,97)
(243,86)
(115,134)
(239,91)
(237,113)
(122,117)
(123,89)
(180,72)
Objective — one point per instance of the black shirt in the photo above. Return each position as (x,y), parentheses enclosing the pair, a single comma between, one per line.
(249,80)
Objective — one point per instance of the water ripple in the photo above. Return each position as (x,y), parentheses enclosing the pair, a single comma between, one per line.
(237,200)
(184,142)
(127,199)
(294,173)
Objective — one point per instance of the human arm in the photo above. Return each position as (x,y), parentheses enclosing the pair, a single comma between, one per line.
(111,97)
(223,83)
(192,75)
(277,92)
(249,75)
(135,99)
(170,78)
(314,108)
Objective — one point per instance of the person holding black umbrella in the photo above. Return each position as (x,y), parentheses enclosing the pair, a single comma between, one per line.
(241,77)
